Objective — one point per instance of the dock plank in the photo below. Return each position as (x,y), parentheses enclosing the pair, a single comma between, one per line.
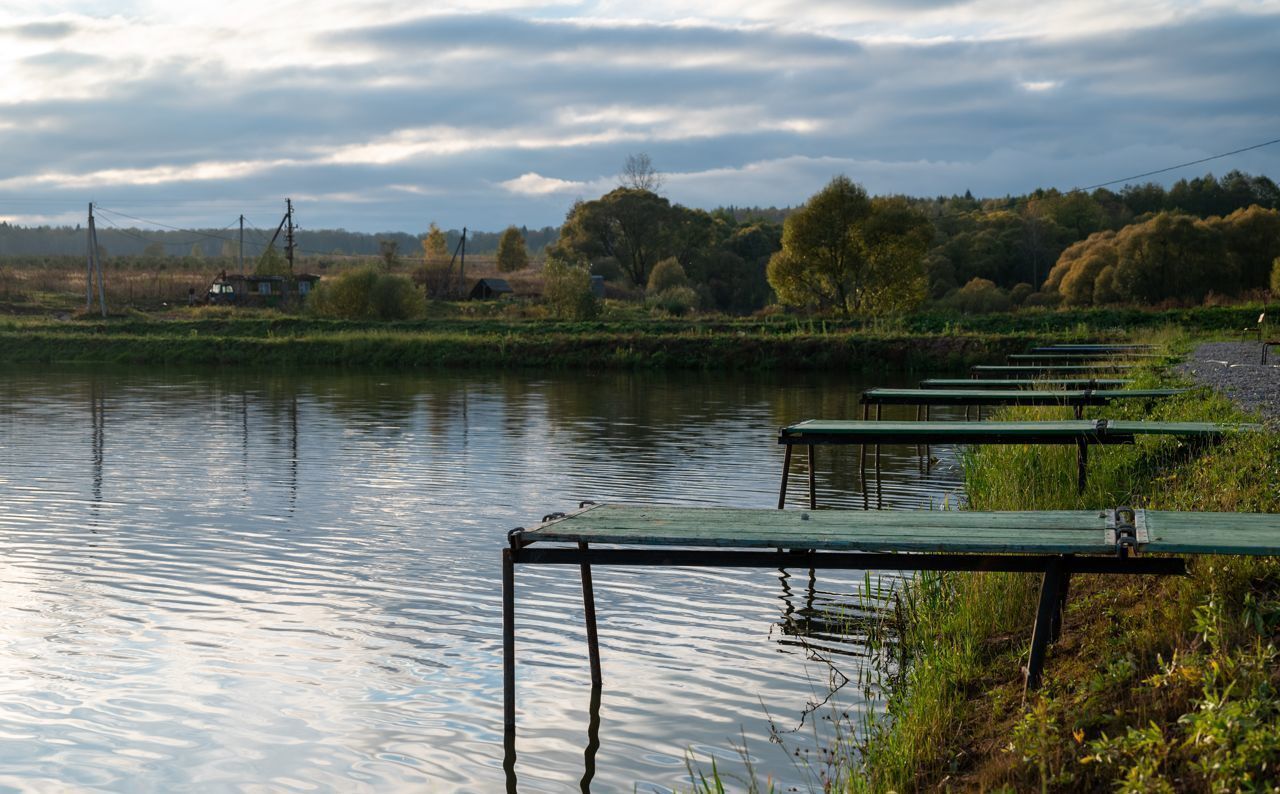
(1048,532)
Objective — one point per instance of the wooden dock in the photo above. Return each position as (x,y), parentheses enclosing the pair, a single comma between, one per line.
(1024,383)
(1056,544)
(1069,398)
(1080,433)
(1045,370)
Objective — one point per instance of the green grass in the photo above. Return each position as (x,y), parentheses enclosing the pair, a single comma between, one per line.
(1158,684)
(623,338)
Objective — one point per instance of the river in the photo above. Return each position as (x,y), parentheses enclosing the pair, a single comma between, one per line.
(291,581)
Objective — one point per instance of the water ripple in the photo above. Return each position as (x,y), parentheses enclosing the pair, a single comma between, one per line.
(290,582)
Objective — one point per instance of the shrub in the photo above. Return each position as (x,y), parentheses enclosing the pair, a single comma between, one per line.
(567,290)
(1020,292)
(1042,300)
(608,268)
(675,300)
(438,280)
(666,275)
(1275,278)
(979,296)
(365,294)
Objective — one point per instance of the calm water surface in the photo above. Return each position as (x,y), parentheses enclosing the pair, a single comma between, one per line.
(291,582)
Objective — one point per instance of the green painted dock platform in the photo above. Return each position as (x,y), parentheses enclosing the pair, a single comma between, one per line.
(1046,370)
(1094,348)
(1024,383)
(1080,433)
(1082,357)
(1056,544)
(1077,399)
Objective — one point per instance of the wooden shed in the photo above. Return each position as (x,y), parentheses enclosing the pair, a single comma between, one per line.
(489,289)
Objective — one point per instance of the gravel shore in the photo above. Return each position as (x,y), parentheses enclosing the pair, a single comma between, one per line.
(1234,369)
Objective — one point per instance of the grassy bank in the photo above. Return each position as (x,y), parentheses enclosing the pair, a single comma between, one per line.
(1158,684)
(624,339)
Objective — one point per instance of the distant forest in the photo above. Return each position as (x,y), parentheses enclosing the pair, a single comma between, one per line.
(42,241)
(1141,243)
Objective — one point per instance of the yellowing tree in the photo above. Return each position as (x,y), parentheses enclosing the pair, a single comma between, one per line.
(845,252)
(434,246)
(512,255)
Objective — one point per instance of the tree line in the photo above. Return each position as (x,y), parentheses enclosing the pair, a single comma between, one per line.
(841,252)
(43,241)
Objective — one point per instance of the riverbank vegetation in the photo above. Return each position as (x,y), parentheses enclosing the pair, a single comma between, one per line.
(623,336)
(1202,241)
(1158,684)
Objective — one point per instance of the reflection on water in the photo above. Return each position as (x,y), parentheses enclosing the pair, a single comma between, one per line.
(220,579)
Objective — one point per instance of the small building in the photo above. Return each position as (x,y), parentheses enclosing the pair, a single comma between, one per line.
(487,289)
(242,289)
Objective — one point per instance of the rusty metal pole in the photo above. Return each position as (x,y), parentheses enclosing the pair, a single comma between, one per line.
(508,641)
(786,470)
(589,609)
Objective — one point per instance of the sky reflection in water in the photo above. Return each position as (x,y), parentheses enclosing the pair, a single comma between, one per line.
(216,580)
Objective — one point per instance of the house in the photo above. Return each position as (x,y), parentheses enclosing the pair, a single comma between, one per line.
(241,289)
(489,289)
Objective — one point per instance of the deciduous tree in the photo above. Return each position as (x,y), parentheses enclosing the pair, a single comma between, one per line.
(634,227)
(512,255)
(844,252)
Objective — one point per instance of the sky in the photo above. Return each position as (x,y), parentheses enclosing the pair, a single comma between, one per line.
(387,115)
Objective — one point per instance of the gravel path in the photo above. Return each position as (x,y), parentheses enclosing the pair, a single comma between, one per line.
(1234,369)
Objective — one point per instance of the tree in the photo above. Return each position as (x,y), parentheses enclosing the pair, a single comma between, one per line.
(434,246)
(271,263)
(567,290)
(153,250)
(634,227)
(638,173)
(844,252)
(1275,279)
(512,255)
(389,250)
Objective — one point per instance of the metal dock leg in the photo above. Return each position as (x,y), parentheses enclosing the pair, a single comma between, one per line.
(589,608)
(593,742)
(1062,606)
(1045,611)
(786,470)
(928,451)
(508,642)
(813,482)
(1082,464)
(879,492)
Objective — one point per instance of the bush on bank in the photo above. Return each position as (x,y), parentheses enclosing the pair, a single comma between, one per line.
(1158,684)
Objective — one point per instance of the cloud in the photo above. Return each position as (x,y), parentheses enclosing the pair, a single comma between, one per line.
(40,30)
(534,184)
(378,116)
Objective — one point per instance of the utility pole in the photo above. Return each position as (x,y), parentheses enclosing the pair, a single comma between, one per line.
(288,233)
(240,247)
(462,265)
(94,264)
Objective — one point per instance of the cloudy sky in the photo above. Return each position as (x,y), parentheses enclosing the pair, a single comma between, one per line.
(384,115)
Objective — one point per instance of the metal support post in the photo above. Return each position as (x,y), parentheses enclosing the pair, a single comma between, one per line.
(1082,464)
(508,641)
(786,470)
(589,610)
(813,481)
(1050,587)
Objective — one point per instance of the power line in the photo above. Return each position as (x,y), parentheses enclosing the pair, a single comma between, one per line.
(165,225)
(1174,167)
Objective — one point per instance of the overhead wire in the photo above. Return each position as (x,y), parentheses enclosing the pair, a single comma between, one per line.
(1176,167)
